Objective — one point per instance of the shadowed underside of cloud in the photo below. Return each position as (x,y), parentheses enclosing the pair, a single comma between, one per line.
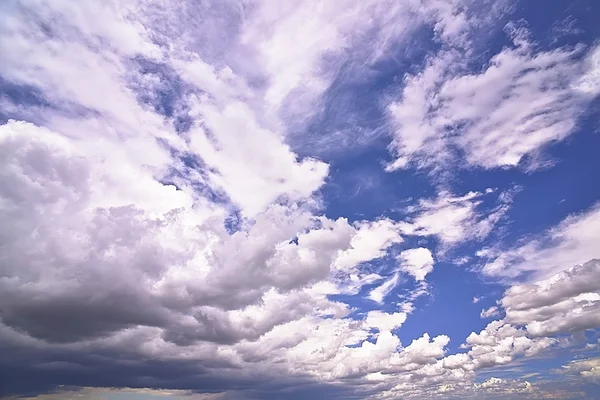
(165,230)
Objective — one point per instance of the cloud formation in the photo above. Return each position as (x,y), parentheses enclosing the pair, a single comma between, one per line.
(522,101)
(166,225)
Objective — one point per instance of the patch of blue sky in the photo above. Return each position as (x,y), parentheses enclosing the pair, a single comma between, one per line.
(449,308)
(160,87)
(21,101)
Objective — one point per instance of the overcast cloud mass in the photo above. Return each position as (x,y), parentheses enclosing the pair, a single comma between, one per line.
(263,199)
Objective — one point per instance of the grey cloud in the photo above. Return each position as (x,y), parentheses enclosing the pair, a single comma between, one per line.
(566,302)
(75,274)
(75,316)
(584,278)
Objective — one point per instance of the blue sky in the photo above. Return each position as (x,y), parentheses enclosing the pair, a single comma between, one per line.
(254,199)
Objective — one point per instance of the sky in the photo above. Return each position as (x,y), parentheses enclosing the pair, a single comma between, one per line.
(263,199)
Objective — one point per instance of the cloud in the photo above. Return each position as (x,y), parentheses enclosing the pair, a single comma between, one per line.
(370,241)
(382,291)
(227,135)
(499,343)
(535,314)
(90,223)
(385,321)
(566,302)
(455,219)
(523,100)
(160,231)
(489,312)
(116,243)
(587,368)
(67,223)
(571,242)
(416,262)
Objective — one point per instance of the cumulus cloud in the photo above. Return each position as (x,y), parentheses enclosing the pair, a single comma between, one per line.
(416,262)
(566,302)
(500,343)
(588,368)
(370,241)
(384,321)
(536,313)
(159,230)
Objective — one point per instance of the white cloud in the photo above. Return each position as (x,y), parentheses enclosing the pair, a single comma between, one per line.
(490,312)
(522,101)
(566,302)
(499,343)
(587,368)
(535,313)
(505,386)
(348,30)
(382,291)
(454,219)
(573,241)
(232,143)
(369,242)
(416,262)
(116,255)
(589,82)
(385,321)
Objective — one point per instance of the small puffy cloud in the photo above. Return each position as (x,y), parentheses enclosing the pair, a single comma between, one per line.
(504,386)
(489,312)
(416,262)
(384,321)
(422,351)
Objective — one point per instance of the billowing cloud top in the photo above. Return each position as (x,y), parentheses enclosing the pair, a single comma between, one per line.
(331,199)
